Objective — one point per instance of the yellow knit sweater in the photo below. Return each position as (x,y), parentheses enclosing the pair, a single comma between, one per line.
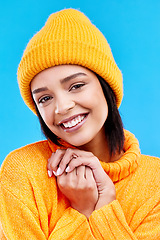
(32,207)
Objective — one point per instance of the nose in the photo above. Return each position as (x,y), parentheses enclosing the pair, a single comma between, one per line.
(63,105)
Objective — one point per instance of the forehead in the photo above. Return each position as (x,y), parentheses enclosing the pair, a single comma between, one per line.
(60,73)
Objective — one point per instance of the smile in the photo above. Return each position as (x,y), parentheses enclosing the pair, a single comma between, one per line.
(74,123)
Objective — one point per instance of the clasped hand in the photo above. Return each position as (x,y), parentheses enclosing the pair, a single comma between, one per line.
(81,178)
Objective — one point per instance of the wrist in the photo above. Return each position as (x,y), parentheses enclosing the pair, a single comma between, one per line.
(87,211)
(105,200)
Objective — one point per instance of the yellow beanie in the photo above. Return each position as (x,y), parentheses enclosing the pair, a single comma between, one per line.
(68,37)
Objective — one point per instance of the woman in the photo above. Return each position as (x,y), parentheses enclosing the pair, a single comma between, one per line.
(88,180)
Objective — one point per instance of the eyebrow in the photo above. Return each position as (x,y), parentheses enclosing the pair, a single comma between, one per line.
(64,80)
(38,90)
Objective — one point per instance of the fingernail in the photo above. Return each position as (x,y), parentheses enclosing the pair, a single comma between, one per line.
(67,169)
(54,173)
(49,173)
(59,171)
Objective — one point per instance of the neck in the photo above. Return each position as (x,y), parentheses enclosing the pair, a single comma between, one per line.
(100,148)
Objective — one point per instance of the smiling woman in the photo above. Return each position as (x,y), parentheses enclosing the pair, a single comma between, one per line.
(87,180)
(84,91)
(77,97)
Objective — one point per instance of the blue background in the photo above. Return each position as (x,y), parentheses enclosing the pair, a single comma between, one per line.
(132,29)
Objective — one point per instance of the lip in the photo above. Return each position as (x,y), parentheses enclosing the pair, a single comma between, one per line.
(71,118)
(76,127)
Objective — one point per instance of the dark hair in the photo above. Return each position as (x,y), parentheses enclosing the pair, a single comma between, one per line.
(113,124)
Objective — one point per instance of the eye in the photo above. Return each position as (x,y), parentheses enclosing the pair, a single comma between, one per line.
(44,99)
(76,86)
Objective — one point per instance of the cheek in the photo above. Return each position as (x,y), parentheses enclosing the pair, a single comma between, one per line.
(99,101)
(101,106)
(47,116)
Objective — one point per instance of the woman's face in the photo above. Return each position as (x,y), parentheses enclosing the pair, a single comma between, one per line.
(71,102)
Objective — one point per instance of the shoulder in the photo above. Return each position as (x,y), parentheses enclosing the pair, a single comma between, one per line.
(30,149)
(25,159)
(26,152)
(23,175)
(148,171)
(149,163)
(25,167)
(142,184)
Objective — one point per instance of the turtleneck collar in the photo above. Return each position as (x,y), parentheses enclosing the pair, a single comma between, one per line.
(125,165)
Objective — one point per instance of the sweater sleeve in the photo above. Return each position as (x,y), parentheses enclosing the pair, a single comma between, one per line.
(109,223)
(72,225)
(24,214)
(19,222)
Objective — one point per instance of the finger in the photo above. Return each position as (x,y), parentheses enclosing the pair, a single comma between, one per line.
(67,180)
(81,152)
(50,172)
(67,157)
(81,171)
(89,174)
(71,154)
(90,179)
(93,163)
(61,180)
(54,160)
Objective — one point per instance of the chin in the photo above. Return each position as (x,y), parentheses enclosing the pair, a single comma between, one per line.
(80,142)
(77,143)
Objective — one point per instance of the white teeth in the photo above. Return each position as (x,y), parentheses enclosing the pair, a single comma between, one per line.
(74,122)
(69,124)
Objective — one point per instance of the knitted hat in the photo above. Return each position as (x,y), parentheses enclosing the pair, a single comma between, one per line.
(68,37)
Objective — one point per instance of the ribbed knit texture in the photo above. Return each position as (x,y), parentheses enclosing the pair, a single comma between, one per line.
(68,37)
(32,207)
